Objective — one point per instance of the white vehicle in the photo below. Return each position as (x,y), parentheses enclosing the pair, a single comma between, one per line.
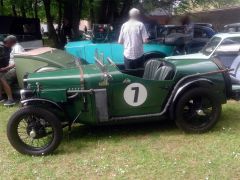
(224,46)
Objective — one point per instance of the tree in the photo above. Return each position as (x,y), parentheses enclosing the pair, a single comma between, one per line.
(200,5)
(51,29)
(1,7)
(72,13)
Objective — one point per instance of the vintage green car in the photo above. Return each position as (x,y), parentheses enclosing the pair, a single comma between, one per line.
(41,60)
(189,92)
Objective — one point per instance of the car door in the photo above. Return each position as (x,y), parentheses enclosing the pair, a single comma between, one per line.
(136,96)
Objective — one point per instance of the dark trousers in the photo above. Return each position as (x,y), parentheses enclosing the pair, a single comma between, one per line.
(133,63)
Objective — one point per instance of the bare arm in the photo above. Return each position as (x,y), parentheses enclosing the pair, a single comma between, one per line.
(7,68)
(144,35)
(120,39)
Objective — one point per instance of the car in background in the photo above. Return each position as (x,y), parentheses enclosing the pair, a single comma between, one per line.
(85,50)
(27,31)
(232,27)
(164,41)
(224,46)
(172,33)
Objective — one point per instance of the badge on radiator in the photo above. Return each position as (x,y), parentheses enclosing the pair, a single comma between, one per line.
(135,94)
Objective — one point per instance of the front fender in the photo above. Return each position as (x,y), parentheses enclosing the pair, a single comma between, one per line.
(38,101)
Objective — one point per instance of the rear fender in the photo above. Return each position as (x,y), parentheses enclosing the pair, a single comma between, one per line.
(201,82)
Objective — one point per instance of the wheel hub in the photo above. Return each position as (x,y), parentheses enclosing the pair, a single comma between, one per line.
(200,112)
(32,134)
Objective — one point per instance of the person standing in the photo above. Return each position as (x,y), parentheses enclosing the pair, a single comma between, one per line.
(133,35)
(7,69)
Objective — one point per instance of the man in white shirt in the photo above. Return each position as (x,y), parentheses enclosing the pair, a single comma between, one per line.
(133,35)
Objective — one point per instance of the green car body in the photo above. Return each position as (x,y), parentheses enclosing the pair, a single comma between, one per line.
(57,86)
(190,92)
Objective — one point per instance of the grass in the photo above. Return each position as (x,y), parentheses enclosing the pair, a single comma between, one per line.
(146,151)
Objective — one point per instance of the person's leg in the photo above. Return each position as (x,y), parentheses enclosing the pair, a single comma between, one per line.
(1,94)
(1,90)
(6,79)
(139,62)
(128,63)
(7,89)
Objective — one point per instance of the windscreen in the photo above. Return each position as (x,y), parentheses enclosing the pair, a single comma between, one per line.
(211,46)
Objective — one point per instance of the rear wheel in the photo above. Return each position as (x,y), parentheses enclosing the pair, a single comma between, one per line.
(34,131)
(197,111)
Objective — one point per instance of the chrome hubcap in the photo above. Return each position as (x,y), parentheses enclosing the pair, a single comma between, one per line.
(33,134)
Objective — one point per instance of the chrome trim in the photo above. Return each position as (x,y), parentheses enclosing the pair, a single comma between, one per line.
(77,90)
(23,93)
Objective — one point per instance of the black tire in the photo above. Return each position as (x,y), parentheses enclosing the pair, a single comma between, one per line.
(37,121)
(197,111)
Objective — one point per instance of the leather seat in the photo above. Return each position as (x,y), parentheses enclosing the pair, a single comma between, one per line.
(151,68)
(235,74)
(164,73)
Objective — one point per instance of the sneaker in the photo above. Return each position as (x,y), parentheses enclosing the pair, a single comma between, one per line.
(2,100)
(9,103)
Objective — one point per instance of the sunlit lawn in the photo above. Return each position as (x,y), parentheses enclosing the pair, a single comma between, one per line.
(147,151)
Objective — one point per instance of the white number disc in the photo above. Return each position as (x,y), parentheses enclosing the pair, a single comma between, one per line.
(135,94)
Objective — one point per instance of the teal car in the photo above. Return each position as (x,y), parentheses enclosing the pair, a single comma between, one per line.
(85,50)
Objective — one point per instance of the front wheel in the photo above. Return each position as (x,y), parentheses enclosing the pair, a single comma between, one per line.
(34,131)
(197,111)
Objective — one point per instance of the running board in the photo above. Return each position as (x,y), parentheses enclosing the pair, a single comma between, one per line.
(136,117)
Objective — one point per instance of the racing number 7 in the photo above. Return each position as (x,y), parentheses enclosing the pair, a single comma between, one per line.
(136,94)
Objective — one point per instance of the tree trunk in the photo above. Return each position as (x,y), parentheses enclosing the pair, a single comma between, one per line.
(91,12)
(14,10)
(1,7)
(51,29)
(76,18)
(125,9)
(72,15)
(60,15)
(23,11)
(110,13)
(35,5)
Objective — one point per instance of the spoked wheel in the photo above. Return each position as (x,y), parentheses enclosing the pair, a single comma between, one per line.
(197,111)
(34,131)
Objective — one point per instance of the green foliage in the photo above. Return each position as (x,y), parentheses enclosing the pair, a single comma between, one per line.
(198,5)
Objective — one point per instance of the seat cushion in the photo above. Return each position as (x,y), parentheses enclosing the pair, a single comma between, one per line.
(151,68)
(164,73)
